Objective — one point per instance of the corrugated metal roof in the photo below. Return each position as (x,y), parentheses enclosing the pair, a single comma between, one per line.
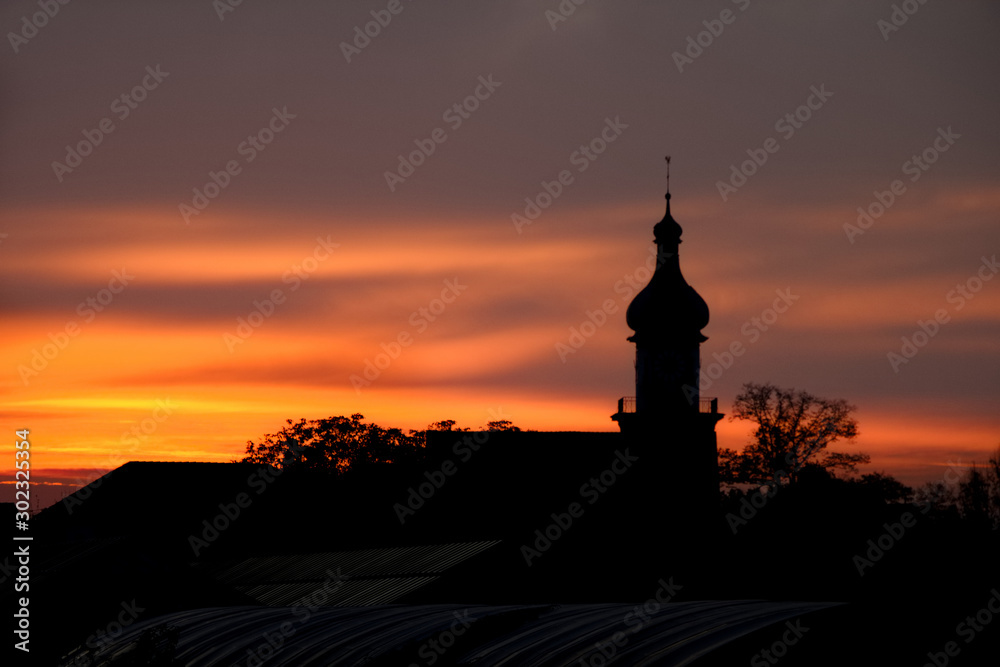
(366,576)
(345,593)
(528,635)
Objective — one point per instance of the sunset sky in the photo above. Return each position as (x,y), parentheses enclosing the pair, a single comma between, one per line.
(122,301)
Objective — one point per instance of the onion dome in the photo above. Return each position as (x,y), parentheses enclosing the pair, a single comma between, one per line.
(667,310)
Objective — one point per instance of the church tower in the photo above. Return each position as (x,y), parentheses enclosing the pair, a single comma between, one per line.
(667,417)
(667,317)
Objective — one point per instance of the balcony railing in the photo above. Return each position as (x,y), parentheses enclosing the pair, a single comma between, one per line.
(626,405)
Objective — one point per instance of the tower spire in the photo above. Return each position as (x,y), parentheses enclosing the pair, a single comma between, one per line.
(668,175)
(667,230)
(668,184)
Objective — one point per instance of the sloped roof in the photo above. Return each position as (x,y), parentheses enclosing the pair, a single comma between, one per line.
(524,635)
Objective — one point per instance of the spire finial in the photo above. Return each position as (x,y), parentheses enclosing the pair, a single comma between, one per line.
(668,176)
(667,230)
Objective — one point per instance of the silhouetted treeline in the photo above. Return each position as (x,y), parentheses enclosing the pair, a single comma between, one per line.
(338,443)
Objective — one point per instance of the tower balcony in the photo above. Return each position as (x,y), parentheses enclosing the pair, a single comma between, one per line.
(626,406)
(628,418)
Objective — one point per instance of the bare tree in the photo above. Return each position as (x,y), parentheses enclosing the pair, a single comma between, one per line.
(793,429)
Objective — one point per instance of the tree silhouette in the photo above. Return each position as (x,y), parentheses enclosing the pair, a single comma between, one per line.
(339,443)
(793,429)
(884,487)
(449,425)
(501,425)
(993,478)
(334,444)
(443,425)
(973,496)
(937,497)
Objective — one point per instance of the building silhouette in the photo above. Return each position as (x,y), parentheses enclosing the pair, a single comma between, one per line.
(494,518)
(667,418)
(507,547)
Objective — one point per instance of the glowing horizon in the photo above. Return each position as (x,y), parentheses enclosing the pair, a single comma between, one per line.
(223,394)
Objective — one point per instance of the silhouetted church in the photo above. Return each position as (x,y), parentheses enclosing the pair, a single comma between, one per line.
(497,548)
(646,495)
(545,540)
